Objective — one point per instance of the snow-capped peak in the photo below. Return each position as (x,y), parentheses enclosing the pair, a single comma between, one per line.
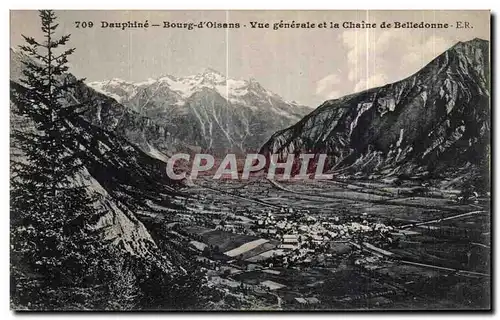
(210,75)
(119,80)
(210,72)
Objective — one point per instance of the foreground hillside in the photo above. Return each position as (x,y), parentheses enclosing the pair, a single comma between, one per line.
(111,260)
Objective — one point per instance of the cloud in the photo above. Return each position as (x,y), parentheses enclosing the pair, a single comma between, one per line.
(333,94)
(422,53)
(324,87)
(375,80)
(376,57)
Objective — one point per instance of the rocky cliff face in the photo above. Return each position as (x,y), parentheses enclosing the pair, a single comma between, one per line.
(432,122)
(201,112)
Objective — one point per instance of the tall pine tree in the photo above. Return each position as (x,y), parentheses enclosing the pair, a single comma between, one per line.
(56,262)
(46,200)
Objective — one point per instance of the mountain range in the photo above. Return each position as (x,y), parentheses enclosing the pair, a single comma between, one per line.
(204,112)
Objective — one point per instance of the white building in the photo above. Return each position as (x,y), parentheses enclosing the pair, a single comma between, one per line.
(288,247)
(291,239)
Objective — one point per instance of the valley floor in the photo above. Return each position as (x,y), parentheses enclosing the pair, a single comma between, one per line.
(336,245)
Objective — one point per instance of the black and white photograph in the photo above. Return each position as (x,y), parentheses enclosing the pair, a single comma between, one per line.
(250,160)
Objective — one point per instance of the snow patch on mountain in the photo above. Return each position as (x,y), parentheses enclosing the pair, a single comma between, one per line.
(109,88)
(233,90)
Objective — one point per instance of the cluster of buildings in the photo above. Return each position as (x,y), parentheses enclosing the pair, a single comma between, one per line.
(302,233)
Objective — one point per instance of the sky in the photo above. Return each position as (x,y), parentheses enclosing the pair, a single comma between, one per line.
(303,65)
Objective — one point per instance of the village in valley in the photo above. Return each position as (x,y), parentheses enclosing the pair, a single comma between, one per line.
(314,253)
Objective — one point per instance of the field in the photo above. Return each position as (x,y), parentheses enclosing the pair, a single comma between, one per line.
(355,244)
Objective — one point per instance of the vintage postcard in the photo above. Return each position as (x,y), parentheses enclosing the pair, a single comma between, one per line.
(250,160)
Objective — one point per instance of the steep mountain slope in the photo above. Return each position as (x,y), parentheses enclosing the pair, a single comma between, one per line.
(205,111)
(120,176)
(434,121)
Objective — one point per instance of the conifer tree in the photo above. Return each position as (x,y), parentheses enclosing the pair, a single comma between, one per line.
(47,202)
(56,262)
